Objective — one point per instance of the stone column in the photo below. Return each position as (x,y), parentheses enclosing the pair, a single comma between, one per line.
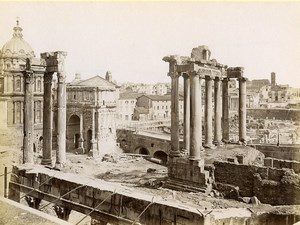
(81,134)
(93,152)
(218,107)
(47,120)
(196,116)
(225,111)
(242,109)
(28,116)
(61,119)
(208,112)
(186,122)
(175,151)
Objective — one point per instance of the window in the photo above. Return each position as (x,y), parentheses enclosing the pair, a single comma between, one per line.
(162,107)
(18,85)
(39,86)
(158,107)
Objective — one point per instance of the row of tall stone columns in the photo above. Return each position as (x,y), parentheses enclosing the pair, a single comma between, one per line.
(53,63)
(193,112)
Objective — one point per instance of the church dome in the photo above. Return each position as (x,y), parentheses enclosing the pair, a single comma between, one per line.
(17,47)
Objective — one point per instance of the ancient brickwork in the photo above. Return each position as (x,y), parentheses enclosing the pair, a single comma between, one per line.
(266,183)
(278,114)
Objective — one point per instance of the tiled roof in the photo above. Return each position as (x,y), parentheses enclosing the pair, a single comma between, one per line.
(95,81)
(129,95)
(161,97)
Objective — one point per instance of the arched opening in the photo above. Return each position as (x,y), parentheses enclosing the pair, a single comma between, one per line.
(142,150)
(89,137)
(73,132)
(162,156)
(76,138)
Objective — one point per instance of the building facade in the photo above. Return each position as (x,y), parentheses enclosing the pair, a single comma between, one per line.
(153,107)
(13,57)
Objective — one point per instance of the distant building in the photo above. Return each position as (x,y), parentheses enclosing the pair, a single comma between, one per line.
(152,107)
(126,104)
(160,89)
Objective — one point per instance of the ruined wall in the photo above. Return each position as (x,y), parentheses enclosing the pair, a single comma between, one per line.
(131,141)
(289,152)
(279,164)
(266,183)
(278,114)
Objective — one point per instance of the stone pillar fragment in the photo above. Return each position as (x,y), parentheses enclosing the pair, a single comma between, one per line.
(225,111)
(208,112)
(28,115)
(218,113)
(196,116)
(61,119)
(242,110)
(94,151)
(175,152)
(62,212)
(33,202)
(186,122)
(47,119)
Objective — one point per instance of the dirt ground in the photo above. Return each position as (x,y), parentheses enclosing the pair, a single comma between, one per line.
(135,172)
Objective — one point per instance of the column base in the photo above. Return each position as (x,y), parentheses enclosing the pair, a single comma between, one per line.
(242,142)
(210,146)
(225,141)
(175,154)
(218,143)
(59,166)
(47,162)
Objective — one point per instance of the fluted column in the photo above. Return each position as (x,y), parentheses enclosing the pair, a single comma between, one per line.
(28,118)
(175,151)
(225,110)
(186,122)
(242,109)
(196,116)
(61,119)
(208,111)
(217,100)
(47,120)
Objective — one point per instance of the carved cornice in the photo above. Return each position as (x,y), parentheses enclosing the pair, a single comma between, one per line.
(235,72)
(209,72)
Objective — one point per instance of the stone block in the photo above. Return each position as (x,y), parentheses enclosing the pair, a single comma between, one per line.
(276,163)
(181,160)
(240,159)
(276,174)
(286,164)
(296,166)
(268,162)
(232,160)
(89,192)
(263,172)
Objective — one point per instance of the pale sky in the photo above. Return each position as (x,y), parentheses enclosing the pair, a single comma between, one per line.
(130,39)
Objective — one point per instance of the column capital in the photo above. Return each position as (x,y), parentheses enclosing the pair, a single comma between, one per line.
(185,76)
(225,79)
(174,75)
(242,79)
(61,77)
(207,77)
(235,72)
(29,76)
(217,78)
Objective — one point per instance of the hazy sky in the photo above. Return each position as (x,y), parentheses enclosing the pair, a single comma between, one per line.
(130,39)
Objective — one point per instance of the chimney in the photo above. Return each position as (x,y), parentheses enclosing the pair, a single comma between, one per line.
(108,76)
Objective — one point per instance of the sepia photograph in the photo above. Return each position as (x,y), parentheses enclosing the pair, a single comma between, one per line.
(149,112)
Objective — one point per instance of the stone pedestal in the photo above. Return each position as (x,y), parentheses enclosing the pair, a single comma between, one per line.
(218,112)
(28,116)
(47,120)
(33,202)
(62,212)
(225,111)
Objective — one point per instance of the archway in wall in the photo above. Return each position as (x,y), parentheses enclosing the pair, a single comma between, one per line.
(89,137)
(142,150)
(162,156)
(73,132)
